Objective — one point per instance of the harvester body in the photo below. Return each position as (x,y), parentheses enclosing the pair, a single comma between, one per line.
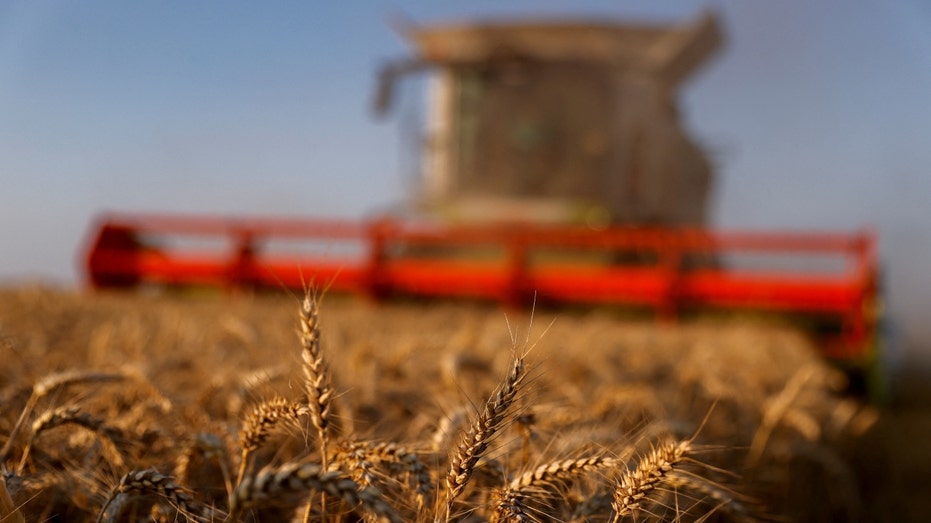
(562,122)
(555,170)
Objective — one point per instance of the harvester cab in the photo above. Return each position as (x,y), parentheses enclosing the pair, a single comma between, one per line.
(554,150)
(559,122)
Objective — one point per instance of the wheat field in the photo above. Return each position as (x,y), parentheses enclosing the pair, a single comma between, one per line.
(189,407)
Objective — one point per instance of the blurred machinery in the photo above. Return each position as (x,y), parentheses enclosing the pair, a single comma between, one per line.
(560,122)
(555,169)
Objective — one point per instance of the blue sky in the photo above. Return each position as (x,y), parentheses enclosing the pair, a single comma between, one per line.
(818,115)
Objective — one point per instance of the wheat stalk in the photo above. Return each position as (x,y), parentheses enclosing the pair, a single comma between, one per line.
(8,511)
(776,408)
(721,497)
(447,425)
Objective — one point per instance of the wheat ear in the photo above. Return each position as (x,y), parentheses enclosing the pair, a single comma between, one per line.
(510,507)
(362,458)
(71,415)
(48,385)
(475,442)
(653,468)
(292,481)
(357,459)
(316,372)
(146,482)
(509,501)
(418,475)
(550,474)
(317,381)
(264,419)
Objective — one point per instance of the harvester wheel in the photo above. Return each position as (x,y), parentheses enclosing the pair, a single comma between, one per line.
(881,366)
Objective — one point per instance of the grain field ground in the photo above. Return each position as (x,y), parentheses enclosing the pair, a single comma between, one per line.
(208,407)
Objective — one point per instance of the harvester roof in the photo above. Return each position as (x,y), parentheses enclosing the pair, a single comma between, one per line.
(672,52)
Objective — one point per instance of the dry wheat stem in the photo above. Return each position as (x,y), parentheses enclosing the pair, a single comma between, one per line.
(776,409)
(8,511)
(721,497)
(445,427)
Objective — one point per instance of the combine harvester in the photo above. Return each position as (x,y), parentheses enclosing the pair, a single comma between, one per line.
(555,170)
